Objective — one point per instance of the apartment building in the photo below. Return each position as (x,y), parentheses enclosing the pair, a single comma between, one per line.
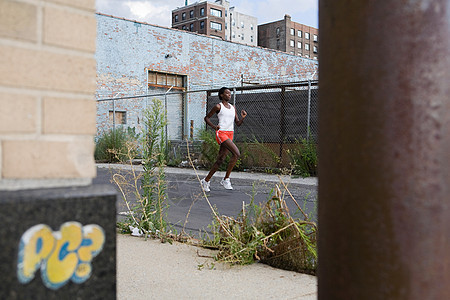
(216,19)
(290,37)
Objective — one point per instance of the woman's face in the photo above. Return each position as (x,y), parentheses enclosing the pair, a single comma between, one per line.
(226,95)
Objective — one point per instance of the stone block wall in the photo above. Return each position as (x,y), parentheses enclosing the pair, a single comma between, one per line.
(47,82)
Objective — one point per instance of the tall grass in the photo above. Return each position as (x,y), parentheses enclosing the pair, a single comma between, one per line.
(112,145)
(149,213)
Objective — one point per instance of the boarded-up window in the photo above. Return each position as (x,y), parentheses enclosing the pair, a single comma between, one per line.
(166,80)
(121,117)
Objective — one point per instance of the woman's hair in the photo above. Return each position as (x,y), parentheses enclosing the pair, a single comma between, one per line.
(221,91)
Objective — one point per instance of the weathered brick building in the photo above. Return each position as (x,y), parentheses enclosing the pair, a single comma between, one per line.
(291,37)
(140,59)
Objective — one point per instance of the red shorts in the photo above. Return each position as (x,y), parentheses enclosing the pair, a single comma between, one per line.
(222,136)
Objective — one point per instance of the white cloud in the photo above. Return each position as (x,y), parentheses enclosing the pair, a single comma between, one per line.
(159,12)
(301,11)
(145,10)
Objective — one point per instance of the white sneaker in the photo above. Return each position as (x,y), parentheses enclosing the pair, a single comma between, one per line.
(226,184)
(205,185)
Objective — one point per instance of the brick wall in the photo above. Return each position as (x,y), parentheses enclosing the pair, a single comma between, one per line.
(47,82)
(127,49)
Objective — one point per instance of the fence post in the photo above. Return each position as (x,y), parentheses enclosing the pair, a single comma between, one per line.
(309,111)
(234,96)
(165,116)
(282,122)
(114,114)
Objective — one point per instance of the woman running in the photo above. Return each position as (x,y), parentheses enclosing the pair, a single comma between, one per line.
(227,115)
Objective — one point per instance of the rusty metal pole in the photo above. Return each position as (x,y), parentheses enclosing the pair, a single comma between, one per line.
(384,149)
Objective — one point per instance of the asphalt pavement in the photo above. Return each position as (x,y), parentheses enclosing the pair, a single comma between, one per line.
(188,209)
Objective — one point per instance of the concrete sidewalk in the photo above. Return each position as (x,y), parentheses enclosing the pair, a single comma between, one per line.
(153,270)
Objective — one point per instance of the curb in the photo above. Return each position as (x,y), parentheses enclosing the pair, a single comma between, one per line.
(309,182)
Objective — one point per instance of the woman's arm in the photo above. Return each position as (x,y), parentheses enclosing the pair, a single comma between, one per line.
(213,111)
(243,115)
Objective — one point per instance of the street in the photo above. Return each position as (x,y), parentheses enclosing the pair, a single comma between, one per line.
(188,209)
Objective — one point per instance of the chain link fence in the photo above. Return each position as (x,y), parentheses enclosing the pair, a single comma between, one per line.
(282,113)
(279,115)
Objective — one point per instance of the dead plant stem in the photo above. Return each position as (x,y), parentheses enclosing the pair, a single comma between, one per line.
(292,197)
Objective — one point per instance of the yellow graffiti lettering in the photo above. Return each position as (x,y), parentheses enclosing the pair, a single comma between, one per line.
(93,240)
(35,246)
(62,263)
(62,256)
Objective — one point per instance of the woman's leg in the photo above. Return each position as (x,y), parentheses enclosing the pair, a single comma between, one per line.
(228,144)
(223,151)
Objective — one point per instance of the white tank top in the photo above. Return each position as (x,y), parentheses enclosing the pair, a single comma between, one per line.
(226,117)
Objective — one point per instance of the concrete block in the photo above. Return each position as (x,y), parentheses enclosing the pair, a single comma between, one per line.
(18,20)
(17,113)
(34,159)
(58,243)
(88,5)
(59,22)
(40,69)
(68,116)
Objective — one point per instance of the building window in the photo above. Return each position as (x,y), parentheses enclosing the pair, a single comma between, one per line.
(315,38)
(216,26)
(307,56)
(202,25)
(292,43)
(278,44)
(176,18)
(242,24)
(242,37)
(191,27)
(165,80)
(216,13)
(299,33)
(292,31)
(299,54)
(299,45)
(315,49)
(251,38)
(292,52)
(251,26)
(278,30)
(184,27)
(307,47)
(191,14)
(234,35)
(202,11)
(120,117)
(307,35)
(183,16)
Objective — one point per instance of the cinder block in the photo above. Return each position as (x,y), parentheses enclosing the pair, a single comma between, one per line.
(69,29)
(83,4)
(17,113)
(70,231)
(37,159)
(68,116)
(46,70)
(18,20)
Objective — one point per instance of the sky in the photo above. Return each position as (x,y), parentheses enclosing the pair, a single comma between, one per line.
(159,12)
